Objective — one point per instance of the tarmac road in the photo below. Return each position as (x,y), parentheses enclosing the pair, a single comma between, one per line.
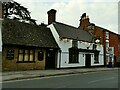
(101,79)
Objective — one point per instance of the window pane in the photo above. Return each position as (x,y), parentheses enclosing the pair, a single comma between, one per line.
(96,57)
(20,57)
(20,51)
(31,51)
(31,57)
(119,48)
(40,55)
(26,51)
(10,54)
(73,56)
(74,43)
(26,55)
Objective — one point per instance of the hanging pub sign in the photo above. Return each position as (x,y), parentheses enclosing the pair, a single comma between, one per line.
(110,50)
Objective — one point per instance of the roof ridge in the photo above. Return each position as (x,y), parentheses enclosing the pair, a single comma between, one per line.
(107,30)
(66,24)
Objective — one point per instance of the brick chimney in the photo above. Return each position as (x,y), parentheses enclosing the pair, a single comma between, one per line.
(51,16)
(84,21)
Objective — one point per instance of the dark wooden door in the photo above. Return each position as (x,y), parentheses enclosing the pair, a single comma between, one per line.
(88,60)
(50,59)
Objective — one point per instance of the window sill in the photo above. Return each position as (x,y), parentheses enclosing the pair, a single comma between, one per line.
(73,62)
(96,62)
(25,61)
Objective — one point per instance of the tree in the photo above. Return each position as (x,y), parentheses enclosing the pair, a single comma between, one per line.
(14,10)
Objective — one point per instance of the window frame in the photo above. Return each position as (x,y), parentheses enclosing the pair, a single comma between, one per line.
(107,35)
(74,44)
(24,54)
(119,48)
(10,54)
(96,57)
(40,58)
(73,55)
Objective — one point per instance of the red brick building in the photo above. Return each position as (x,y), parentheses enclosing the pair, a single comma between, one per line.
(118,48)
(109,39)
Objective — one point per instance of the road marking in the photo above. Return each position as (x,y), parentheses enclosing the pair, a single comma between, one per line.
(104,79)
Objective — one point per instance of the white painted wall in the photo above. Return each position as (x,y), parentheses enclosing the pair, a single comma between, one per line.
(63,58)
(65,61)
(101,57)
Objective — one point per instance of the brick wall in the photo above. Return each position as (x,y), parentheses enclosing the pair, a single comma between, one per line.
(113,42)
(99,32)
(119,54)
(11,65)
(84,23)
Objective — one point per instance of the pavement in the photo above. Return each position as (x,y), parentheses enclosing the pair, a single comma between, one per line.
(17,75)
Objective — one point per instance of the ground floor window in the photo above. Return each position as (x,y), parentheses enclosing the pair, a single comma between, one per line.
(40,55)
(118,58)
(10,54)
(96,57)
(26,55)
(73,55)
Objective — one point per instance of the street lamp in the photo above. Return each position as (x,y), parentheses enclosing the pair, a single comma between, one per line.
(97,41)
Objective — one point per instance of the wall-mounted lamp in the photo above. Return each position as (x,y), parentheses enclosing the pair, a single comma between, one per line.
(97,41)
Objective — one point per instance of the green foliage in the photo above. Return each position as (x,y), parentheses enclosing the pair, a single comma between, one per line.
(14,10)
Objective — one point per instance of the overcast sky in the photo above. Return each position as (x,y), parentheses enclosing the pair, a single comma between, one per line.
(103,13)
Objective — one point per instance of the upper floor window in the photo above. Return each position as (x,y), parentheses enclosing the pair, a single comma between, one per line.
(107,44)
(107,35)
(75,44)
(119,48)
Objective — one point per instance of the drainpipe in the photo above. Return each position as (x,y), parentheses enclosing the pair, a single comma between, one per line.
(104,48)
